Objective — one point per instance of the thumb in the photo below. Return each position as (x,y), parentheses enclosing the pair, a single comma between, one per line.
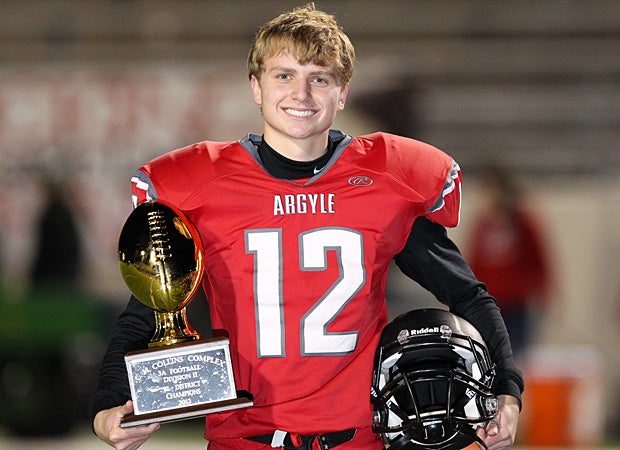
(492,428)
(127,408)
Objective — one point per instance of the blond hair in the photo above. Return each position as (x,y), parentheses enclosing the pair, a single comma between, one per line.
(310,35)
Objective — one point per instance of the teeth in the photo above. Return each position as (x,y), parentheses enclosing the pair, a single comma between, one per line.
(297,113)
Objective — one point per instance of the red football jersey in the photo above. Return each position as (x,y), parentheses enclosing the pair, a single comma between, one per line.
(296,272)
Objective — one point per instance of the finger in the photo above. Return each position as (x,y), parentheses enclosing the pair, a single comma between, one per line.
(141,430)
(128,437)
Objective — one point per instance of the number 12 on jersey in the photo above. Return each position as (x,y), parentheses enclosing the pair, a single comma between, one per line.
(269,303)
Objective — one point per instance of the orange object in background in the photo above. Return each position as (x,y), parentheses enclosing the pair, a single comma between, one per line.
(563,401)
(549,411)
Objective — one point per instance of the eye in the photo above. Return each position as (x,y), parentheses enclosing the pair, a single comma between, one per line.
(321,80)
(283,76)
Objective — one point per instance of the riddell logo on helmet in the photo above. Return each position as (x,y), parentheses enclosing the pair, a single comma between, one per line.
(426,330)
(444,330)
(403,335)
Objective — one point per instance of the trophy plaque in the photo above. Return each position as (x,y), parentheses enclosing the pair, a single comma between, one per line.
(179,376)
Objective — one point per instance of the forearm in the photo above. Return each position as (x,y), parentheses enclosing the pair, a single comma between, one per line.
(134,328)
(482,310)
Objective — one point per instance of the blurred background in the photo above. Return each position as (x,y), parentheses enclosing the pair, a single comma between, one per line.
(529,89)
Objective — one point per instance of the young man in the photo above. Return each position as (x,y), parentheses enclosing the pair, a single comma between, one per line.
(299,226)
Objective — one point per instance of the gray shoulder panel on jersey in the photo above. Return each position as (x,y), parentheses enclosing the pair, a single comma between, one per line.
(448,187)
(251,142)
(144,183)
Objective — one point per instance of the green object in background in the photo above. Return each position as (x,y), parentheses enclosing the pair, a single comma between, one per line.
(51,345)
(43,323)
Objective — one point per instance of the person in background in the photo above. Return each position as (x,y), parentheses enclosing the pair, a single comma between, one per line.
(58,255)
(507,253)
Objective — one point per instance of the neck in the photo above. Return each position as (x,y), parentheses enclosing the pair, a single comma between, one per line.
(298,149)
(282,167)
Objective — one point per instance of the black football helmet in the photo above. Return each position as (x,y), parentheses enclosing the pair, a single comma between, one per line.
(431,382)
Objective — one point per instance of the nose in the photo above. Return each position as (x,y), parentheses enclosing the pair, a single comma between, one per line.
(301,90)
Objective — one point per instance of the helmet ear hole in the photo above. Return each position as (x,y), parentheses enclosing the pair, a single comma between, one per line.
(432,381)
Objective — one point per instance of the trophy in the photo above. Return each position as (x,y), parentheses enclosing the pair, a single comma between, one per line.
(179,376)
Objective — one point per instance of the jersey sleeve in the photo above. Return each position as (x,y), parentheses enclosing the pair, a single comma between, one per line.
(178,175)
(427,175)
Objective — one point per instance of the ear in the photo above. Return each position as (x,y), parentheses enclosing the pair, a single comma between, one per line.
(342,99)
(256,90)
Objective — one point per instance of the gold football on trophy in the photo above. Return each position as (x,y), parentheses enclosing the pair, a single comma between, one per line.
(161,261)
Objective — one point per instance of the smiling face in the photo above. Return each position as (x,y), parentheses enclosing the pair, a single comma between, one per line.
(299,103)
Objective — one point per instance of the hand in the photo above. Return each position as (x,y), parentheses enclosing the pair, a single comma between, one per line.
(500,432)
(107,425)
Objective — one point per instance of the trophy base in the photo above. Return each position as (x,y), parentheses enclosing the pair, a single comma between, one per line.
(185,413)
(181,381)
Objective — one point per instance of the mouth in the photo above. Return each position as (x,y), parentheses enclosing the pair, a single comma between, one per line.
(299,113)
